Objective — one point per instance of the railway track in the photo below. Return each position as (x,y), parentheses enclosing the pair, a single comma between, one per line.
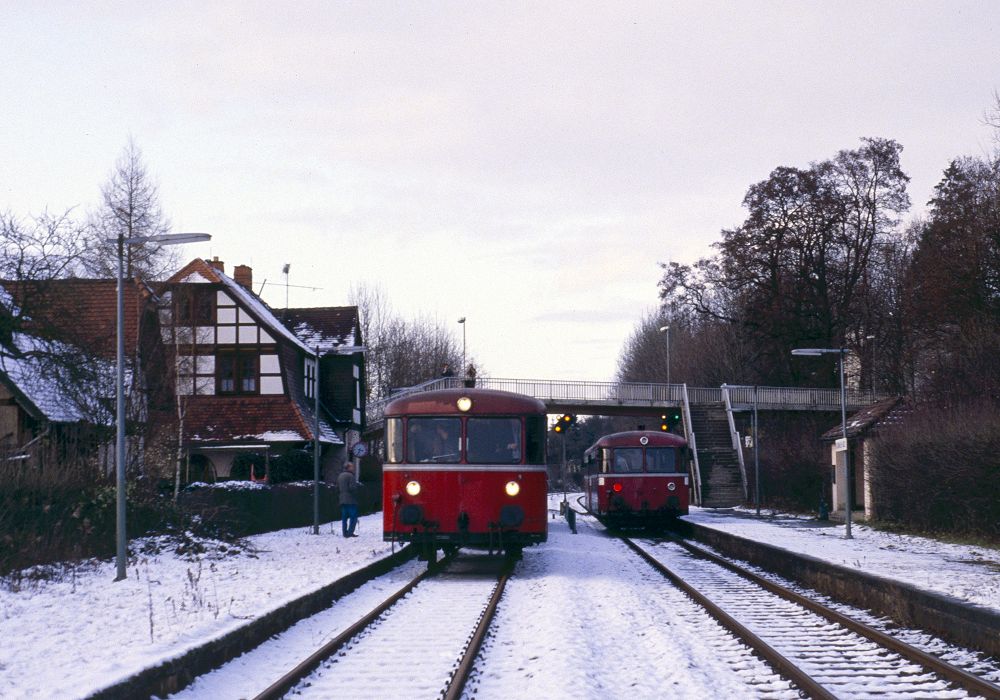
(824,652)
(369,658)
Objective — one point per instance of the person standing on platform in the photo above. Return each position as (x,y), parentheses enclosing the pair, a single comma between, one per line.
(348,485)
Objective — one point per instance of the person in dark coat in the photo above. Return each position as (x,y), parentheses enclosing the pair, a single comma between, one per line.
(348,485)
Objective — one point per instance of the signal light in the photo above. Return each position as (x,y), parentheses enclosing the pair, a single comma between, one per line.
(565,422)
(669,419)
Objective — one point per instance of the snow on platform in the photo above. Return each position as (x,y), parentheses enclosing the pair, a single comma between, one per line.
(98,631)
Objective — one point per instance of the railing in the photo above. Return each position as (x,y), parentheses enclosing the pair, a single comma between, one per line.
(583,394)
(692,446)
(795,398)
(735,437)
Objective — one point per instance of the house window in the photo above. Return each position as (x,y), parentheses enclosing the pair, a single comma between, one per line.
(195,374)
(195,306)
(310,378)
(237,372)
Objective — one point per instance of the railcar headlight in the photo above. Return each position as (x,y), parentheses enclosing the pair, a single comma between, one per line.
(413,488)
(671,485)
(512,488)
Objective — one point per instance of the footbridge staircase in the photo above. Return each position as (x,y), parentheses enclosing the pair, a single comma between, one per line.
(717,468)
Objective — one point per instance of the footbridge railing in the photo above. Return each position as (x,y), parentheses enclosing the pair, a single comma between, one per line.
(583,395)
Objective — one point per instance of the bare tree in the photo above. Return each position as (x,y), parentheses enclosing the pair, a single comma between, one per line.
(400,352)
(130,207)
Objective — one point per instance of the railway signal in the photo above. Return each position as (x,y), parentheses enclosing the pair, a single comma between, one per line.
(669,419)
(564,423)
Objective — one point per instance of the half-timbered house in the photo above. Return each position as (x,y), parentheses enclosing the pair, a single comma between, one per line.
(246,380)
(210,369)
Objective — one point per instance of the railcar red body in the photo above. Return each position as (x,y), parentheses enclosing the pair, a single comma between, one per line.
(638,477)
(465,467)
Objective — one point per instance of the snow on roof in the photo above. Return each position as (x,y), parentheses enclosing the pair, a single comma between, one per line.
(261,310)
(195,278)
(199,271)
(46,384)
(320,340)
(273,419)
(325,328)
(883,412)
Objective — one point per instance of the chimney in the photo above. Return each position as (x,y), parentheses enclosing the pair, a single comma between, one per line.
(218,264)
(243,274)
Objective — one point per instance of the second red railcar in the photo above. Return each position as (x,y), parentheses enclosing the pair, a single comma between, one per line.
(638,477)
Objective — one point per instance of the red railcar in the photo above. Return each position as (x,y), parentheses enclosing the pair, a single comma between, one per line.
(465,467)
(638,477)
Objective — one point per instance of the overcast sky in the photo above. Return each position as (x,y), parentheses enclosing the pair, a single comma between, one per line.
(525,165)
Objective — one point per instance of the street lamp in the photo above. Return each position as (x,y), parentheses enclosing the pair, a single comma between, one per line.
(816,352)
(871,370)
(462,321)
(666,329)
(122,239)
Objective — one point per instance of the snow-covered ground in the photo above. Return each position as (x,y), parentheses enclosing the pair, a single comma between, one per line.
(99,631)
(960,571)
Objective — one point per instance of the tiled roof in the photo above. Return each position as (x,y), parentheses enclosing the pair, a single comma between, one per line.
(82,312)
(324,328)
(883,412)
(250,419)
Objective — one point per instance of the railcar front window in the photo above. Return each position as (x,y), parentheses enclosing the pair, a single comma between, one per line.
(394,440)
(494,440)
(628,459)
(436,440)
(661,460)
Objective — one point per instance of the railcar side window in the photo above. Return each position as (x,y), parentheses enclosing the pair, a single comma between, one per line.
(494,440)
(605,460)
(535,430)
(661,459)
(394,440)
(436,440)
(628,459)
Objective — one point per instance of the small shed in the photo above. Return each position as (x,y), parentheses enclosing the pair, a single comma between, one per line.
(861,428)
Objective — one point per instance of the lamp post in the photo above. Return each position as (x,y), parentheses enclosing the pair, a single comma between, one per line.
(871,371)
(316,444)
(122,239)
(756,455)
(815,352)
(464,368)
(666,329)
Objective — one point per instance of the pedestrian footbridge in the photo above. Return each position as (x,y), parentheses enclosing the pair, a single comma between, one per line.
(718,470)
